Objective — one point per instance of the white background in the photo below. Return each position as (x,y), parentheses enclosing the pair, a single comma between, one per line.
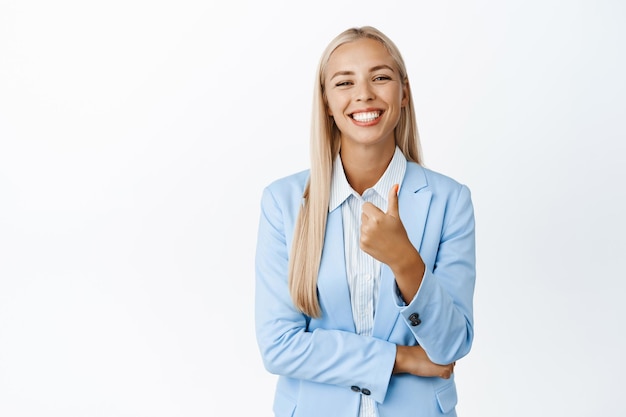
(136,137)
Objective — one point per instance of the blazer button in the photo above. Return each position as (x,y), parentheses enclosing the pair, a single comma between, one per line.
(355,388)
(365,391)
(415,319)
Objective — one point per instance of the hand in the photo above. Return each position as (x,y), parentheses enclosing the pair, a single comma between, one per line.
(382,234)
(384,237)
(413,360)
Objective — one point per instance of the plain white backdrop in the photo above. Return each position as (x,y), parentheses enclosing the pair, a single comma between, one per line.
(136,137)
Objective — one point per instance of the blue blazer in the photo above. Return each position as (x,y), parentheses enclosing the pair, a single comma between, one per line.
(323,365)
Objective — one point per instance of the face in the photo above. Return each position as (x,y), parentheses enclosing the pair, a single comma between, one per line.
(364,93)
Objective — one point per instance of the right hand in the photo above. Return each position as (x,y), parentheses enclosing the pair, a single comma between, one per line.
(413,360)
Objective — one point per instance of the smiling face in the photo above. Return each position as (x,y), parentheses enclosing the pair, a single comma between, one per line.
(364,93)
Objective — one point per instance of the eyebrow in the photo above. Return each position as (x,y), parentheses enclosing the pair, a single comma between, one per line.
(373,69)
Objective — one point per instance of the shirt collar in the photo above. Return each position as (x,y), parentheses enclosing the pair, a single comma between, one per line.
(340,189)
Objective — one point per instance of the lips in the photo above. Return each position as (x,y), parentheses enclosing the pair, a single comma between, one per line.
(366,116)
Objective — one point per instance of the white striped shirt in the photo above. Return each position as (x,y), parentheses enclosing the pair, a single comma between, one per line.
(362,270)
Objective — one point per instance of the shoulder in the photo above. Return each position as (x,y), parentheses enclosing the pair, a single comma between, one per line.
(448,197)
(421,177)
(284,194)
(281,200)
(446,193)
(288,185)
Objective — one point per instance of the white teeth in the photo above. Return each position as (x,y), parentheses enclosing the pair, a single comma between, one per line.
(365,117)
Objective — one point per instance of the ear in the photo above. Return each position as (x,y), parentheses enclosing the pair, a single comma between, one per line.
(406,92)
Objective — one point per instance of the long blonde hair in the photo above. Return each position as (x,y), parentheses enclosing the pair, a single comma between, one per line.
(308,241)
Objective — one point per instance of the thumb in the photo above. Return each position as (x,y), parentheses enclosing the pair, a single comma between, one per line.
(392,204)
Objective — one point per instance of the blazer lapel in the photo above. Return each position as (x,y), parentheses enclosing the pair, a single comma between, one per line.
(413,204)
(332,282)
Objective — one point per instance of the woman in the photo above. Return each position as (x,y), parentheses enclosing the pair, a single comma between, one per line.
(365,263)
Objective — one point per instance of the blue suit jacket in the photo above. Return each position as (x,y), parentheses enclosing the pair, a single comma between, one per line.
(324,366)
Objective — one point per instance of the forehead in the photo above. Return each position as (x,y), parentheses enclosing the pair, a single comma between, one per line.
(359,54)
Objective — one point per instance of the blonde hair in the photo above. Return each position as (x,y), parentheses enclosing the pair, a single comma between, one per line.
(308,241)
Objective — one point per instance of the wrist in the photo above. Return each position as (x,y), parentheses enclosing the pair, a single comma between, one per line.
(409,265)
(399,364)
(409,274)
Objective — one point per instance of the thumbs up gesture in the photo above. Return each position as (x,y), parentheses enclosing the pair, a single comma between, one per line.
(384,237)
(382,234)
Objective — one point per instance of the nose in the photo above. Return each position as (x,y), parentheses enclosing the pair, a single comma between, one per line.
(364,92)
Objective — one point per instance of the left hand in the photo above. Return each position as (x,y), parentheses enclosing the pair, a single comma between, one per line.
(383,235)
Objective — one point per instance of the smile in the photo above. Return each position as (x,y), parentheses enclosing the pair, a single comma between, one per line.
(366,117)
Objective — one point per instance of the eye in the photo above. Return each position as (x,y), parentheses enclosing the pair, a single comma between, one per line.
(382,78)
(343,84)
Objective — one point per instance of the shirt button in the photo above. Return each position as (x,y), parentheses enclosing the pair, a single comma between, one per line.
(355,388)
(415,319)
(365,391)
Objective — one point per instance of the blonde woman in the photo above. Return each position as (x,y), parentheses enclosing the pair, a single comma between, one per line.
(365,264)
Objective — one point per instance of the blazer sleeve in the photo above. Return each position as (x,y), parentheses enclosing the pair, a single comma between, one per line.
(287,347)
(441,313)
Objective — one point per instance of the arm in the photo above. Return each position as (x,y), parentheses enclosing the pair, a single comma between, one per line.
(444,301)
(413,360)
(439,313)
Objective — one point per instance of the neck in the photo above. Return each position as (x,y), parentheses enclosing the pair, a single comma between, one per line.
(365,165)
